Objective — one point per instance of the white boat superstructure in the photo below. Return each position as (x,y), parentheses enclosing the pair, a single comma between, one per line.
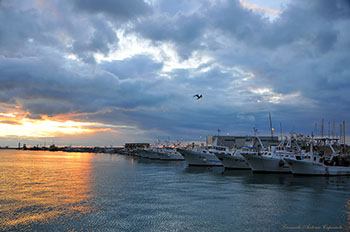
(315,164)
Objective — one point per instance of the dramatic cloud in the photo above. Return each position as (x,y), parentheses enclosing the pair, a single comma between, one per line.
(134,66)
(121,10)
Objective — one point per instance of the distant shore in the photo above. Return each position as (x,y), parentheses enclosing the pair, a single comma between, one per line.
(67,149)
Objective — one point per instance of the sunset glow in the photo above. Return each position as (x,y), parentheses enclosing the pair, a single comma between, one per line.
(47,128)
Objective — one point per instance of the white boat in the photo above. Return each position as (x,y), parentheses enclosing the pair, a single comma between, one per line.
(267,161)
(142,153)
(233,160)
(264,160)
(169,154)
(201,156)
(149,153)
(314,164)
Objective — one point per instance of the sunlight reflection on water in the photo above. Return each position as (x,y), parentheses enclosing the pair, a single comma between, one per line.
(38,187)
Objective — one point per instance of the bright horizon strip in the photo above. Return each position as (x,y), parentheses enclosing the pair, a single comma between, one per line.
(10,115)
(48,128)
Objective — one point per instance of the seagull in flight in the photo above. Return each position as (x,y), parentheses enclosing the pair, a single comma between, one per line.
(198,96)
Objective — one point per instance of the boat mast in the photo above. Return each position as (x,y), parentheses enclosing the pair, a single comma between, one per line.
(316,129)
(217,141)
(329,129)
(281,131)
(344,134)
(312,147)
(340,132)
(271,129)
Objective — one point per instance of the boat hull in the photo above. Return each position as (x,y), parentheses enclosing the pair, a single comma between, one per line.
(170,155)
(232,161)
(197,158)
(148,154)
(260,163)
(305,167)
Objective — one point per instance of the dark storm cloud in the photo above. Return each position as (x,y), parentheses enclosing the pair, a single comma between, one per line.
(303,52)
(20,26)
(338,9)
(183,30)
(51,25)
(46,86)
(140,66)
(100,40)
(301,21)
(120,9)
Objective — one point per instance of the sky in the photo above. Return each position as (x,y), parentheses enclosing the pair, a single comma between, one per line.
(100,73)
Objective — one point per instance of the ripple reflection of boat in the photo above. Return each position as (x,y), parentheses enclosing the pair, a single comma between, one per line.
(204,169)
(293,183)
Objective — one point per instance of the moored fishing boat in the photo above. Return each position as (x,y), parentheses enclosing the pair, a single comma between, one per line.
(336,164)
(267,161)
(271,160)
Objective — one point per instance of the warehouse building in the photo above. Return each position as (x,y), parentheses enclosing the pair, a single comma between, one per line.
(240,141)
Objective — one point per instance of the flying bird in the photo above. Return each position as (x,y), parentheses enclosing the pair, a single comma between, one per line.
(198,96)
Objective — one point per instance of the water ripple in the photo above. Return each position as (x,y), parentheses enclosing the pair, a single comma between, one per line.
(55,191)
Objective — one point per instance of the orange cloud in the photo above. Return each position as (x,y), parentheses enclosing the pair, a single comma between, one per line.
(255,7)
(10,122)
(19,124)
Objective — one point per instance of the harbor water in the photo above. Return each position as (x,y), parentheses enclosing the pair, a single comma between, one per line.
(57,191)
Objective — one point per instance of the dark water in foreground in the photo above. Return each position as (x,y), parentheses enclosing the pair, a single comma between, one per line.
(56,191)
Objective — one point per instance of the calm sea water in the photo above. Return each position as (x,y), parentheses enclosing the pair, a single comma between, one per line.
(56,191)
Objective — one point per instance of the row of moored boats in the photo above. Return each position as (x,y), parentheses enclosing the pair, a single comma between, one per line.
(320,158)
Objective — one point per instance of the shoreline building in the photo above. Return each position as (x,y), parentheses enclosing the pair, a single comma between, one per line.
(136,145)
(240,141)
